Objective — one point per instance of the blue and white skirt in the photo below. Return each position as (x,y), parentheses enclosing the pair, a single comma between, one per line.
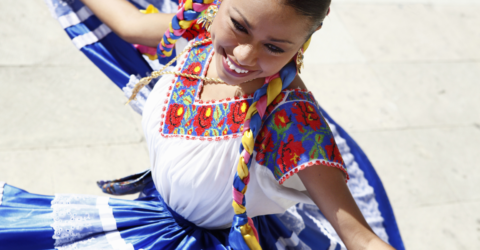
(32,221)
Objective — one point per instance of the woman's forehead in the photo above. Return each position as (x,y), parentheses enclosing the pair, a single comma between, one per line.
(271,16)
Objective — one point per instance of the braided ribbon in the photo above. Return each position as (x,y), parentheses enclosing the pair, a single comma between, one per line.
(243,234)
(184,19)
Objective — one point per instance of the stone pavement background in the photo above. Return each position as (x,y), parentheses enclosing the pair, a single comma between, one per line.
(403,77)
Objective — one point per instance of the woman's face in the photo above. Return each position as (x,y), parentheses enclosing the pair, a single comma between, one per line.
(255,38)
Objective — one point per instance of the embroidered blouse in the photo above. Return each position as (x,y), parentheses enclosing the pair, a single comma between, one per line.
(194,144)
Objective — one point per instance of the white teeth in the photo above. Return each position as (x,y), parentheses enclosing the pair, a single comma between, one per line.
(232,67)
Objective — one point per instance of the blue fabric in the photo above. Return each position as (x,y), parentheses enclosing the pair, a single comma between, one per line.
(25,220)
(146,223)
(384,205)
(115,57)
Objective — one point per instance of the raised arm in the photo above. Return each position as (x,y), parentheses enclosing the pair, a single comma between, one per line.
(327,187)
(129,23)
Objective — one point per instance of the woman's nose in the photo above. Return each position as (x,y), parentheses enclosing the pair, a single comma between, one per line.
(245,54)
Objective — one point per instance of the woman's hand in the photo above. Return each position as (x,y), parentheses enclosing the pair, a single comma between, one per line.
(129,23)
(327,188)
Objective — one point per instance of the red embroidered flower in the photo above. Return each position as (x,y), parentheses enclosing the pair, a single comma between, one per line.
(289,154)
(174,116)
(203,119)
(193,69)
(281,119)
(275,102)
(333,153)
(306,114)
(264,144)
(236,116)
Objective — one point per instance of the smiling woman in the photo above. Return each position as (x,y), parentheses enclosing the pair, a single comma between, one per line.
(230,113)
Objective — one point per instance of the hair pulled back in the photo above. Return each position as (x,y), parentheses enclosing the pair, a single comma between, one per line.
(315,10)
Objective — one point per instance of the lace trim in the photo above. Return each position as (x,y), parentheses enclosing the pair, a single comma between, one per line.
(110,240)
(139,102)
(362,192)
(2,184)
(84,221)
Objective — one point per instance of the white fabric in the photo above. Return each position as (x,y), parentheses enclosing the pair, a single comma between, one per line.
(164,6)
(2,184)
(91,37)
(362,192)
(74,18)
(85,222)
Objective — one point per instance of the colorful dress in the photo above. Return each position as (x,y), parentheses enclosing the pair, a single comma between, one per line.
(186,195)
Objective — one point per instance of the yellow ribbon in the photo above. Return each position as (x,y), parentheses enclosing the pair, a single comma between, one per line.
(249,237)
(248,141)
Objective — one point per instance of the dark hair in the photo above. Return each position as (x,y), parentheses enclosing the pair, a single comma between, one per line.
(315,10)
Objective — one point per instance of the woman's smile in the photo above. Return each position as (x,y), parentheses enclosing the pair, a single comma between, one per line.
(231,67)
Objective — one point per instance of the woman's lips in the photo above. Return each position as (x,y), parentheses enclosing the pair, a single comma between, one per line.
(226,61)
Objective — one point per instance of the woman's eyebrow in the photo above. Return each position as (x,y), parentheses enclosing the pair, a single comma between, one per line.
(280,40)
(250,27)
(243,17)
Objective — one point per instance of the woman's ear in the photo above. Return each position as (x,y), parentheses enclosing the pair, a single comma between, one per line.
(319,27)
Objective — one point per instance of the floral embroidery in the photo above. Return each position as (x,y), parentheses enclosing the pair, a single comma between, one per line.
(333,153)
(195,119)
(289,154)
(193,69)
(294,136)
(264,143)
(306,114)
(203,119)
(275,102)
(281,119)
(175,116)
(236,116)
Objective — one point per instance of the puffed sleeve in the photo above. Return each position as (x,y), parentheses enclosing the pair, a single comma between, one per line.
(295,136)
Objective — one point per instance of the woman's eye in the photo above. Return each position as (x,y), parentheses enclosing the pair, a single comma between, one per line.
(238,26)
(274,49)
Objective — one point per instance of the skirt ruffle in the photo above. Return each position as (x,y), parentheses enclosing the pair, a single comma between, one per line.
(32,221)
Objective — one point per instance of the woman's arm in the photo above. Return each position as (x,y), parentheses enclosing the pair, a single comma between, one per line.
(327,187)
(128,23)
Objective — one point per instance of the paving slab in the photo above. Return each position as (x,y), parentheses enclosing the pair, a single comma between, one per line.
(71,170)
(62,106)
(433,94)
(333,44)
(443,227)
(409,32)
(432,180)
(353,95)
(410,166)
(28,33)
(436,2)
